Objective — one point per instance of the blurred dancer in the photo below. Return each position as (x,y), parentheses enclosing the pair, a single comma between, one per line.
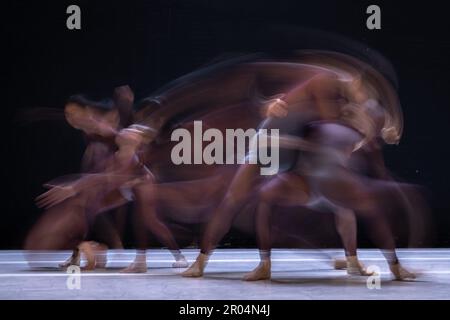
(98,121)
(119,182)
(320,98)
(310,101)
(324,180)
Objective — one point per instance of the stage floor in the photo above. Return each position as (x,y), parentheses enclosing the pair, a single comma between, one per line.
(297,274)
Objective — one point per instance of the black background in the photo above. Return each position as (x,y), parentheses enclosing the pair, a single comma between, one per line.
(148,43)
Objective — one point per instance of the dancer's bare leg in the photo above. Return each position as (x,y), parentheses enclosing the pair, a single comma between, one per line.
(381,234)
(264,268)
(292,190)
(104,230)
(107,231)
(145,194)
(286,189)
(353,192)
(139,264)
(222,218)
(67,221)
(62,226)
(347,228)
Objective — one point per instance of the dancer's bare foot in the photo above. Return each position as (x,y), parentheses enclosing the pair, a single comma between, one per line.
(95,254)
(401,273)
(197,268)
(180,263)
(261,272)
(139,265)
(356,268)
(136,267)
(340,264)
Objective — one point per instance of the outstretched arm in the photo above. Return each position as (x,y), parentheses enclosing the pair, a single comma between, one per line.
(119,172)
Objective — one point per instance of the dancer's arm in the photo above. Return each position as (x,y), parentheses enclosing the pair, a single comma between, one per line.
(323,89)
(119,172)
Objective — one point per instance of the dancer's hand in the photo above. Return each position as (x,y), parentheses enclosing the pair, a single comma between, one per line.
(390,135)
(277,108)
(54,196)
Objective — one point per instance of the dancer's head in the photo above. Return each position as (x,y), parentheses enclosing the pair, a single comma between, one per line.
(364,85)
(93,118)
